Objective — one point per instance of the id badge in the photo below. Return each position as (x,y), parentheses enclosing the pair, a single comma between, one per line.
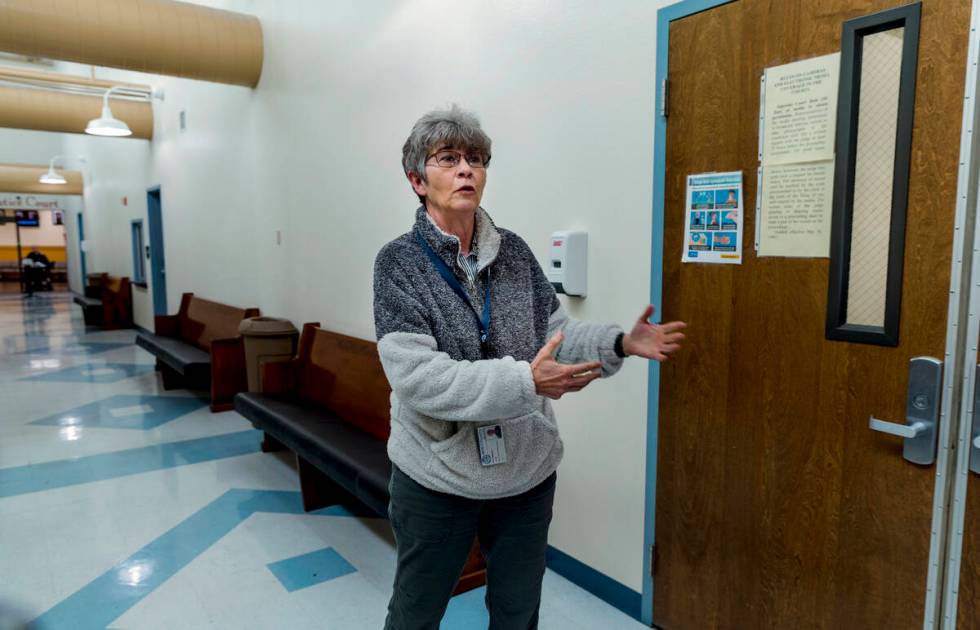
(490,438)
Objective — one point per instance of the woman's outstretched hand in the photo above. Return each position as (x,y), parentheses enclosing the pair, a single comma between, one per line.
(653,341)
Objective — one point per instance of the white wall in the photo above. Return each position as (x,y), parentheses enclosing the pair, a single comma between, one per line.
(21,146)
(564,88)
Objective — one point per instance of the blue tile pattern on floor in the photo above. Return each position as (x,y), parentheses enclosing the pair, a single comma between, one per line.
(93,373)
(26,344)
(467,610)
(70,472)
(125,412)
(114,592)
(310,569)
(76,349)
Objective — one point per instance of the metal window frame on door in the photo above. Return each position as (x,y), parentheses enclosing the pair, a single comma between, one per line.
(852,52)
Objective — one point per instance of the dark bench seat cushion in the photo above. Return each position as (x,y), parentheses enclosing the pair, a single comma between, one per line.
(189,360)
(87,302)
(354,459)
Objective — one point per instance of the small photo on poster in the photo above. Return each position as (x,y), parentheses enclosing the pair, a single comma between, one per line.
(697,220)
(729,219)
(702,200)
(700,242)
(725,242)
(726,198)
(713,223)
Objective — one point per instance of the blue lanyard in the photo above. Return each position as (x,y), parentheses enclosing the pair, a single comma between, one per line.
(482,323)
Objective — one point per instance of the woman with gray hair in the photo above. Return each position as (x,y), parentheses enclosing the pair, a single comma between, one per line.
(475,342)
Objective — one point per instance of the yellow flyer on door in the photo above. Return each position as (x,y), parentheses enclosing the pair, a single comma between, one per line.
(713,218)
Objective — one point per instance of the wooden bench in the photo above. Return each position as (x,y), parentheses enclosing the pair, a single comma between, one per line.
(108,304)
(59,272)
(200,348)
(9,270)
(330,406)
(94,282)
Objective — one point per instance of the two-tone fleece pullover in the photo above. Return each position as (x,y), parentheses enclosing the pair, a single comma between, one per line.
(443,387)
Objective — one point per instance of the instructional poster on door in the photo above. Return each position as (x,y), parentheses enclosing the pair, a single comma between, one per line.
(713,218)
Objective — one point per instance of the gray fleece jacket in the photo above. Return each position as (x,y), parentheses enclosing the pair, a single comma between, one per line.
(442,385)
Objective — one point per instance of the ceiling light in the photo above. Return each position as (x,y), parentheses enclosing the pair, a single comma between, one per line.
(106,124)
(52,176)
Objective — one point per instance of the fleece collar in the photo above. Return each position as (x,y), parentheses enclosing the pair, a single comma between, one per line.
(486,238)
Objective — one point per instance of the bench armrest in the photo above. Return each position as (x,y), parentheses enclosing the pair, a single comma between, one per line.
(278,377)
(228,376)
(166,325)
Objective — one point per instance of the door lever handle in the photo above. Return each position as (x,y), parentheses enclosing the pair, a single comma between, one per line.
(921,412)
(902,430)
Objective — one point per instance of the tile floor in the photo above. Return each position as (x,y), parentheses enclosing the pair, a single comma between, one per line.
(124,506)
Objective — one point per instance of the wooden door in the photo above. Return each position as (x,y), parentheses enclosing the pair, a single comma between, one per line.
(776,506)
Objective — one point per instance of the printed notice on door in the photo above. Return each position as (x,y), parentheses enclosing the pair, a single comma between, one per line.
(797,158)
(796,216)
(801,111)
(713,218)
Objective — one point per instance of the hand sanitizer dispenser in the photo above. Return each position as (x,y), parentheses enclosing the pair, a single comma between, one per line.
(568,264)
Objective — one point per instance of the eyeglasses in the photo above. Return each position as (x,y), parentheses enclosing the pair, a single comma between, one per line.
(448,158)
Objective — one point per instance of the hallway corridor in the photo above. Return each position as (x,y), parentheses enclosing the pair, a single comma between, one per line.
(125,506)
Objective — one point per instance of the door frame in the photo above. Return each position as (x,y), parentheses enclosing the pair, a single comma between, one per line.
(158,274)
(665,16)
(80,222)
(965,242)
(939,591)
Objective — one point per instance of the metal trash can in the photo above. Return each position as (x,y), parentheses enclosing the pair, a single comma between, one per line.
(267,340)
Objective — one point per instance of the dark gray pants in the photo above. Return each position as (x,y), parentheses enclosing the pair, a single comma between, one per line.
(434,533)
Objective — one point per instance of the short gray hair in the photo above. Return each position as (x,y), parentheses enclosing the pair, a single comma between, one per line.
(454,127)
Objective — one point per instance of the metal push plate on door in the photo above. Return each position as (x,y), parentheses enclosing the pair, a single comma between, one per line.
(921,411)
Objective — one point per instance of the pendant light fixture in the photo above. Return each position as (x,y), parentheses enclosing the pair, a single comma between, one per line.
(106,124)
(52,176)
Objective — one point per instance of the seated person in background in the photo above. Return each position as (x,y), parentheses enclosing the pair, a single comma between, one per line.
(35,271)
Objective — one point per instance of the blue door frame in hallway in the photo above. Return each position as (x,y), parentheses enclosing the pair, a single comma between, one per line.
(81,247)
(158,270)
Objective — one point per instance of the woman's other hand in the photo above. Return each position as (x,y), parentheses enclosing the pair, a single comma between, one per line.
(553,379)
